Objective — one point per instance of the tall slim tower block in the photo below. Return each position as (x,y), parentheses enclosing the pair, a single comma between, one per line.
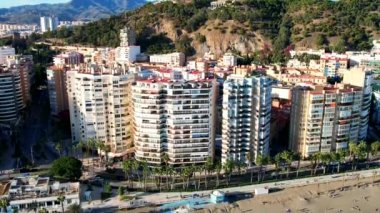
(246,117)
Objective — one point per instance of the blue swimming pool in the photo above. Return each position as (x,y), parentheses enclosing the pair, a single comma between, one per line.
(191,202)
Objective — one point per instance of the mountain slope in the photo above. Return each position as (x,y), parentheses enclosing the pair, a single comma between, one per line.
(74,10)
(268,28)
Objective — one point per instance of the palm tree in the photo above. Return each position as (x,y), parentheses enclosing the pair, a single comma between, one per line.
(135,168)
(91,145)
(82,145)
(170,176)
(315,158)
(146,171)
(326,159)
(208,167)
(259,162)
(100,146)
(250,160)
(157,174)
(107,150)
(61,198)
(288,157)
(239,166)
(266,161)
(75,208)
(127,166)
(4,204)
(353,149)
(165,158)
(229,167)
(338,157)
(186,174)
(375,148)
(363,151)
(277,160)
(218,169)
(298,158)
(198,169)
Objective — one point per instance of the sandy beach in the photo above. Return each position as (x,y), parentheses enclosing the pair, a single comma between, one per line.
(359,195)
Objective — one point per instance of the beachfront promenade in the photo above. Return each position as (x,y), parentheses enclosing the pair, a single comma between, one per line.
(166,197)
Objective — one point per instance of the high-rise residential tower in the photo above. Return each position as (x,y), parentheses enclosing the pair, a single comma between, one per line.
(363,78)
(48,23)
(174,118)
(100,107)
(324,118)
(11,97)
(246,117)
(56,82)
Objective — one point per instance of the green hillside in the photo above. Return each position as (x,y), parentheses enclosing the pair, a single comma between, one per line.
(277,25)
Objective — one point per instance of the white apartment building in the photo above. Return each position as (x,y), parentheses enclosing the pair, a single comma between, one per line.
(220,3)
(324,118)
(176,118)
(11,96)
(127,37)
(69,58)
(229,60)
(5,52)
(362,58)
(32,192)
(176,59)
(48,23)
(333,64)
(246,117)
(99,104)
(127,54)
(363,78)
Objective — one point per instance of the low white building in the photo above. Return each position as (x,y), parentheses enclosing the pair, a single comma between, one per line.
(6,51)
(229,60)
(176,59)
(33,192)
(127,54)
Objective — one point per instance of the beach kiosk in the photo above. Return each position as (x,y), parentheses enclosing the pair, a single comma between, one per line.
(261,191)
(217,197)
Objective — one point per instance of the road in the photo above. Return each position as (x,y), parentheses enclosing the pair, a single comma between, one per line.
(36,127)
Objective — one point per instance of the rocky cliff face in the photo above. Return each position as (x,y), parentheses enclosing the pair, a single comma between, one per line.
(217,36)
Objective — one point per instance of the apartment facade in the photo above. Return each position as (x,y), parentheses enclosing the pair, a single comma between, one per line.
(229,59)
(99,104)
(176,59)
(71,59)
(56,82)
(127,54)
(333,64)
(48,23)
(375,116)
(176,118)
(6,51)
(246,117)
(324,118)
(361,77)
(11,96)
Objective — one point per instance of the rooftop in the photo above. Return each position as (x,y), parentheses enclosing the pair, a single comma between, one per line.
(4,188)
(29,187)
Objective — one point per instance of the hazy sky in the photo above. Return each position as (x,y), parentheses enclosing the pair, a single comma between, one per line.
(10,3)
